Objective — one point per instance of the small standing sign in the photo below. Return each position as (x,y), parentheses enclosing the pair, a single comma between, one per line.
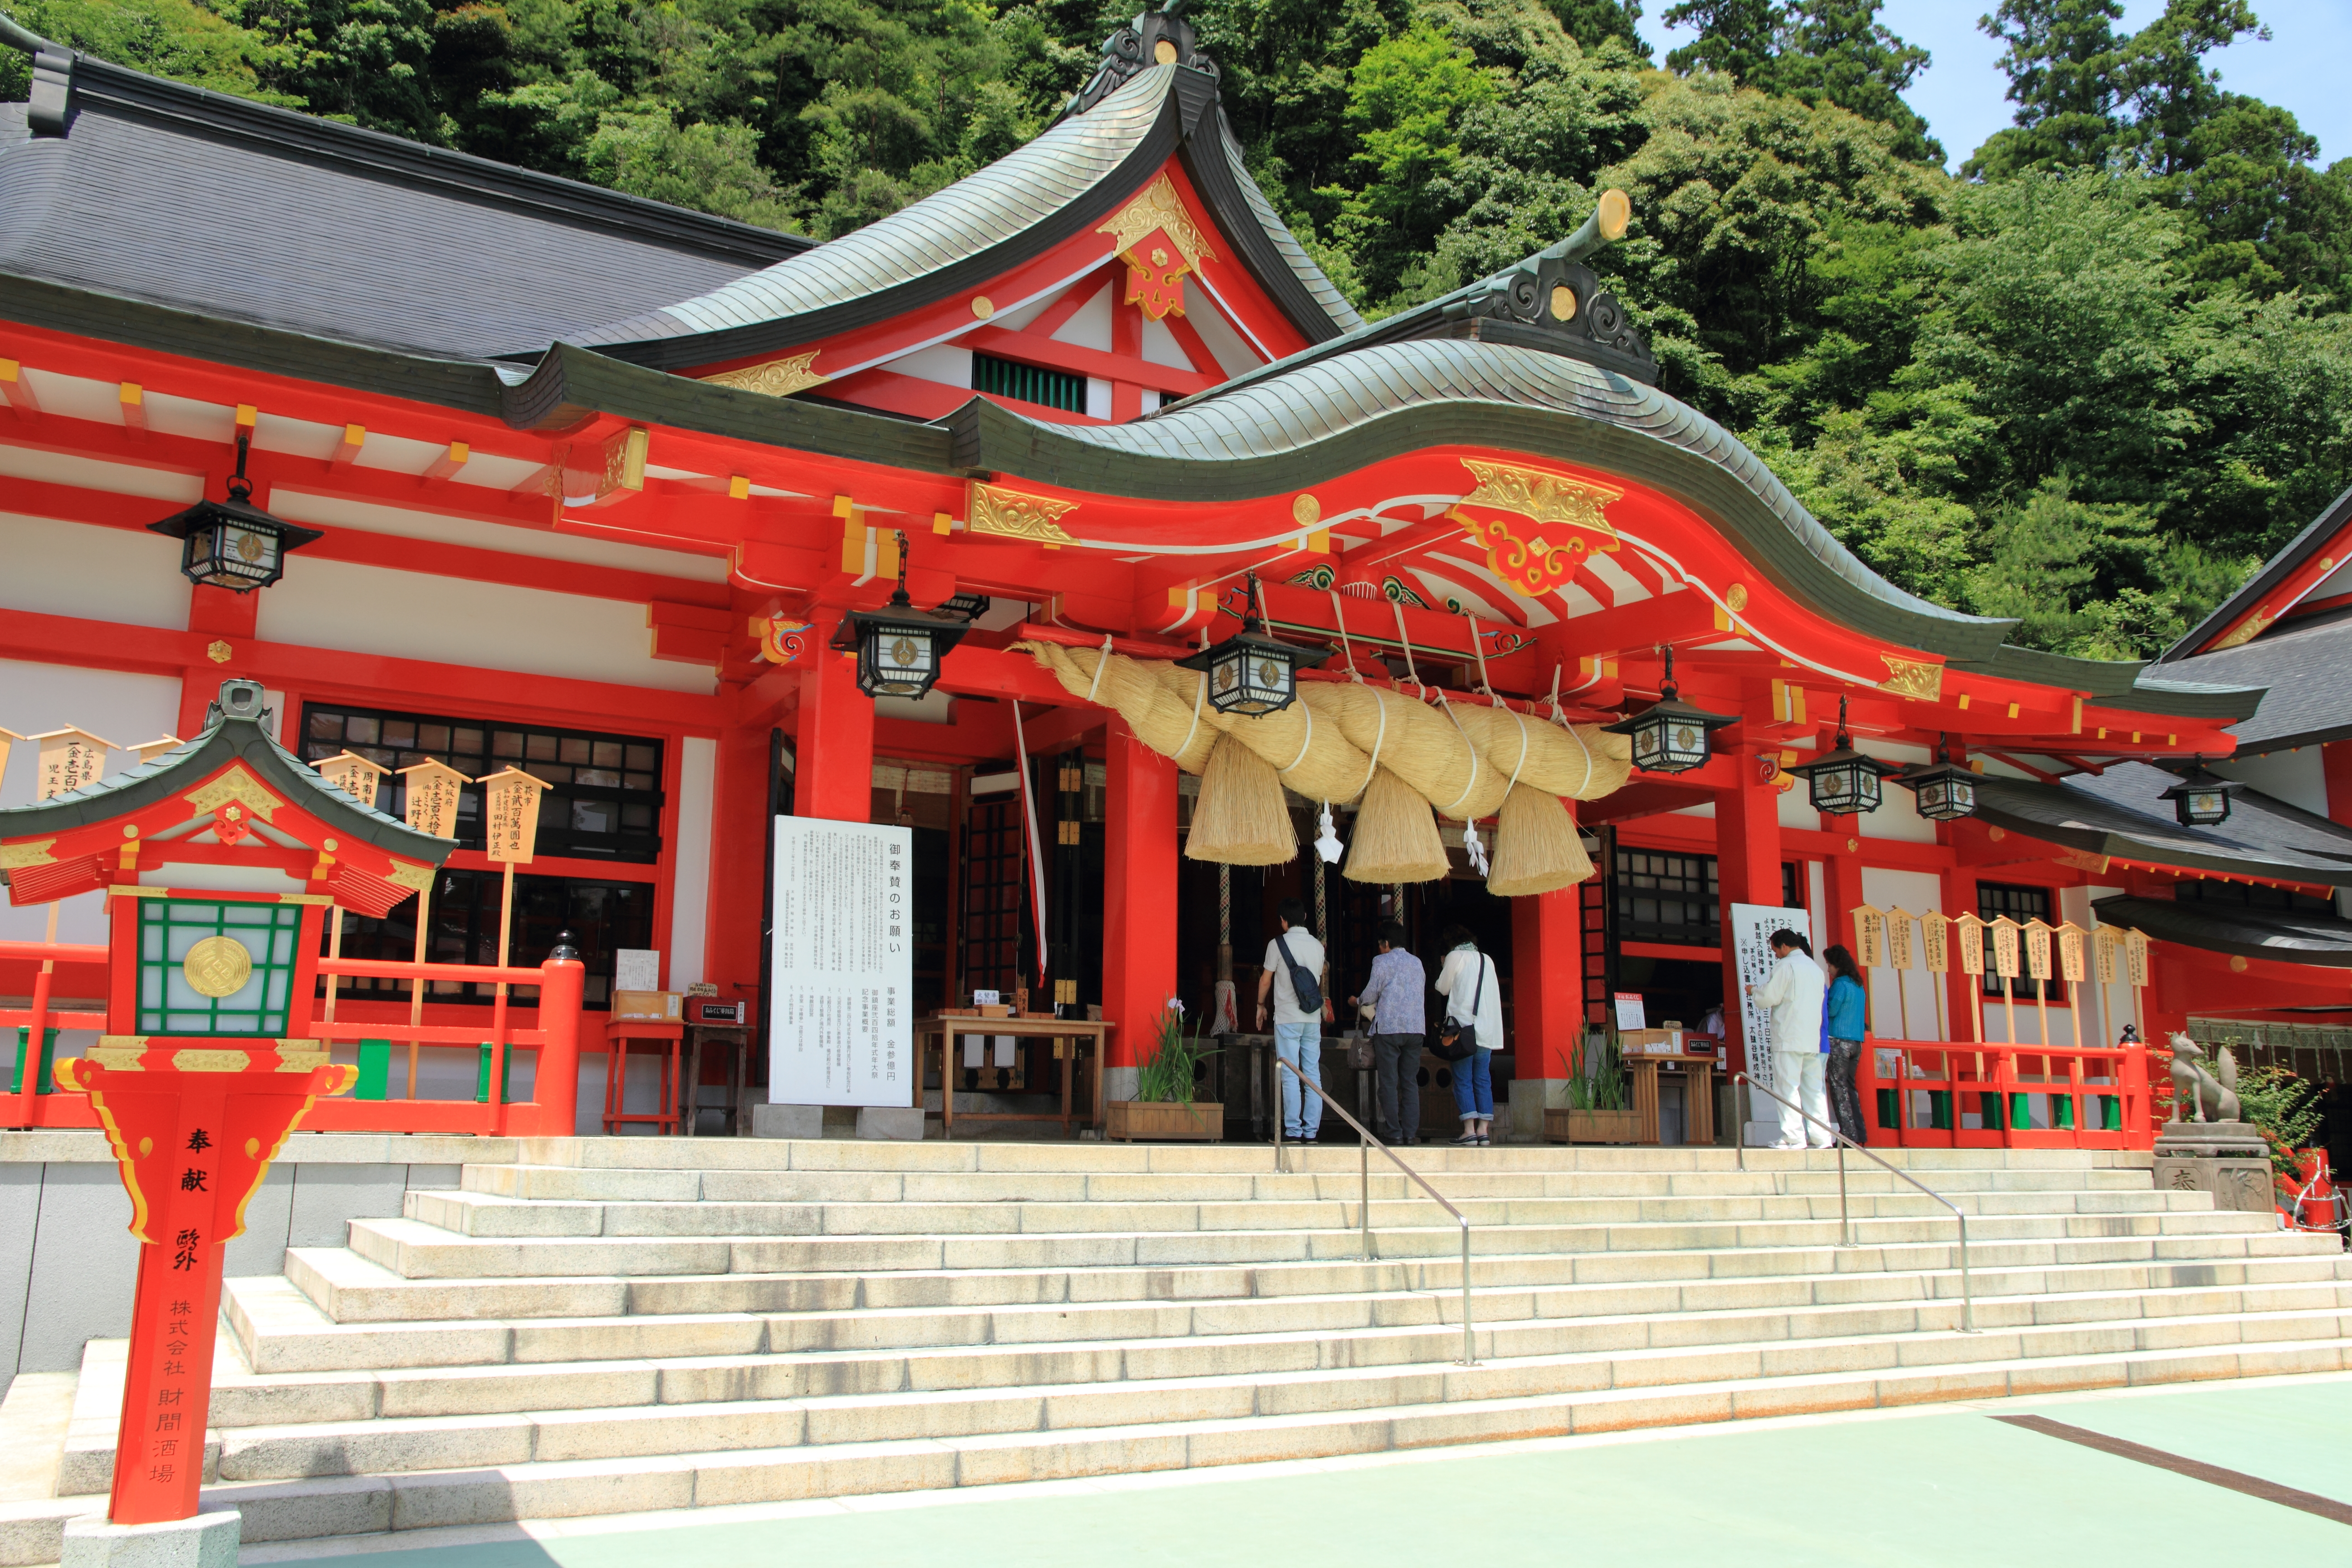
(2037,933)
(1632,1012)
(509,834)
(1935,957)
(359,778)
(2072,968)
(71,759)
(1972,966)
(433,791)
(1898,959)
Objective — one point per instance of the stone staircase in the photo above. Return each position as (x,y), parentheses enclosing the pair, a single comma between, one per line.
(616,1325)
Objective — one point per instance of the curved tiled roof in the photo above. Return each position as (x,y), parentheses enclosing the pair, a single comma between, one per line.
(1041,193)
(2289,936)
(2120,813)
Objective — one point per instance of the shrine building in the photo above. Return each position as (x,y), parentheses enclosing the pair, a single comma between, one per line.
(1071,517)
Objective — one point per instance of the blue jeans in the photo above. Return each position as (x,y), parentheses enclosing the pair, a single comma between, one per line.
(1300,1045)
(1474,1089)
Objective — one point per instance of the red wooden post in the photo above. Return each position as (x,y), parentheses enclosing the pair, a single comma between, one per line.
(193,1129)
(835,773)
(1547,980)
(555,1084)
(1139,914)
(1747,862)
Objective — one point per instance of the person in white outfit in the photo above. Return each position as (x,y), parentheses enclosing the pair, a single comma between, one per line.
(1794,992)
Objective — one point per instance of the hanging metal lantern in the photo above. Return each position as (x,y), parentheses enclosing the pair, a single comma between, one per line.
(965,606)
(1670,735)
(1846,782)
(1943,792)
(234,544)
(1251,672)
(2201,799)
(899,647)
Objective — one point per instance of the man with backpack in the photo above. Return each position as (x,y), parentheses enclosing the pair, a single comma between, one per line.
(1293,980)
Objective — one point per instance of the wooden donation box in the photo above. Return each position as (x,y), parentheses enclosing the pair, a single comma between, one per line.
(206,1063)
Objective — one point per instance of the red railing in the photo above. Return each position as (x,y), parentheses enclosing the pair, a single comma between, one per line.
(552,1037)
(2019,1095)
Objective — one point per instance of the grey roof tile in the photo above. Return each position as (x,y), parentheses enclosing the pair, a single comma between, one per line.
(2118,813)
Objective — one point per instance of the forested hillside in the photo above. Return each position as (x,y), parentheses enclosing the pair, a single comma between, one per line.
(2088,382)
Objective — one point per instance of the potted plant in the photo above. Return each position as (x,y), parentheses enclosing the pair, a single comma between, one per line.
(1599,1104)
(1164,1106)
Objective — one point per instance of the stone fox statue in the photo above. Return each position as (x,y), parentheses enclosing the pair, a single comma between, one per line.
(2207,1094)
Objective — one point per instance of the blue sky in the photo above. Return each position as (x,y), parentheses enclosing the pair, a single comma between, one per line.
(2301,67)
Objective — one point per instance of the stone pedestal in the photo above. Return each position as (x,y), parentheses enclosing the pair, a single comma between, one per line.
(207,1540)
(787,1121)
(2227,1158)
(902,1123)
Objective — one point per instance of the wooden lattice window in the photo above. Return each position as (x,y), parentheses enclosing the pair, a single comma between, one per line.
(1029,383)
(170,999)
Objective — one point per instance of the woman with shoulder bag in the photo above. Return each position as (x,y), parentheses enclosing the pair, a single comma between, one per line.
(1472,1032)
(1845,1018)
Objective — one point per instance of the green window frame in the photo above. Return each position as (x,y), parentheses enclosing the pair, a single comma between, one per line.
(1029,383)
(269,933)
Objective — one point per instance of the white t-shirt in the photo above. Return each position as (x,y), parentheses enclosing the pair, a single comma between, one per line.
(1308,954)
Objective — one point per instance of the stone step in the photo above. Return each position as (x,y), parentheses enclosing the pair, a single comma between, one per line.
(280,1332)
(418,1250)
(1410,1370)
(349,1289)
(317,1507)
(623,1184)
(846,1154)
(490,1215)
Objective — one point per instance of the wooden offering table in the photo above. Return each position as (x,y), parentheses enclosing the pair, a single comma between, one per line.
(667,1039)
(1697,1076)
(1070,1036)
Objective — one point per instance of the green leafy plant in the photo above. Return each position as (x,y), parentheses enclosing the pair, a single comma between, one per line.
(1599,1083)
(1175,1065)
(2286,1107)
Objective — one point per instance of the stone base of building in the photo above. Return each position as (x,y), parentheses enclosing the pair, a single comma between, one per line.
(207,1540)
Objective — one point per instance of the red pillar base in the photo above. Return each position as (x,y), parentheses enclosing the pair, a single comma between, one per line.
(1139,902)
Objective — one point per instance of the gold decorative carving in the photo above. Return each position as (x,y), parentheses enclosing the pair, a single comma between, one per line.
(218,966)
(1563,302)
(1541,496)
(1306,511)
(119,1053)
(218,651)
(625,461)
(1735,598)
(1159,208)
(777,378)
(197,1060)
(238,785)
(982,307)
(1010,514)
(1913,677)
(416,879)
(32,852)
(2247,631)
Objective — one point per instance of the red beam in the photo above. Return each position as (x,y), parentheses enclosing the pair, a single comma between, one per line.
(1034,348)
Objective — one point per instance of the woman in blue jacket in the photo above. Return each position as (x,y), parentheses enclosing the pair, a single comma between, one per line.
(1846,1016)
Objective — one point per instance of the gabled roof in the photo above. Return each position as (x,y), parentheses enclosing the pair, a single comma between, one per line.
(1058,186)
(2285,578)
(2305,665)
(2117,813)
(115,180)
(223,739)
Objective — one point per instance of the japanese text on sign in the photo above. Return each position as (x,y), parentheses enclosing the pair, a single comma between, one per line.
(841,1006)
(511,816)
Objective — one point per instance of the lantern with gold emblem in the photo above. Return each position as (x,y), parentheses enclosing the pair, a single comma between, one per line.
(899,647)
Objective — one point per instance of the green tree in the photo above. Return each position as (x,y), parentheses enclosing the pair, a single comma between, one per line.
(176,38)
(1816,52)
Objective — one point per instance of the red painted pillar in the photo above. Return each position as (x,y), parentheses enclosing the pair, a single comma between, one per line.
(1748,866)
(738,834)
(834,775)
(1139,893)
(2336,768)
(1547,982)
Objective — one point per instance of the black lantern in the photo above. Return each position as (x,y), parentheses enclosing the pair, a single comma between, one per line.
(1670,735)
(1943,792)
(234,544)
(1846,782)
(2201,799)
(899,647)
(1251,672)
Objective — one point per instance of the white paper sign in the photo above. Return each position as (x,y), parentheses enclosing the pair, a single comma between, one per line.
(636,969)
(1631,1014)
(840,1002)
(1752,926)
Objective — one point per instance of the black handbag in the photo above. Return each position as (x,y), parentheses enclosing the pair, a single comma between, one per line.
(1458,1037)
(1303,983)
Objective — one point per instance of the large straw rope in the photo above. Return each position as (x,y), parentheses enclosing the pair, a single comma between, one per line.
(1580,763)
(1420,745)
(1314,759)
(1175,724)
(1239,817)
(1537,846)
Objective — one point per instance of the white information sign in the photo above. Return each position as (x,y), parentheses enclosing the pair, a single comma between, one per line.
(1752,926)
(841,997)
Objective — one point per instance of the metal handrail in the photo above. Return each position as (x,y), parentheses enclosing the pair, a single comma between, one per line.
(1364,1207)
(1846,1223)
